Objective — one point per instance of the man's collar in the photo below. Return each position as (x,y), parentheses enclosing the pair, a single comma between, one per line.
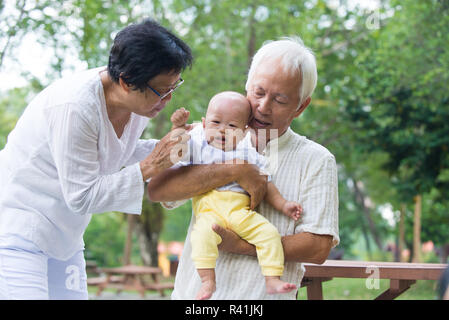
(282,140)
(279,142)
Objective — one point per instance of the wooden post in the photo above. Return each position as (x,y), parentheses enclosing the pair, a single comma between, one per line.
(397,287)
(315,290)
(417,230)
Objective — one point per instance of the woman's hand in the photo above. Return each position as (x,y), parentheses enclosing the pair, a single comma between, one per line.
(169,150)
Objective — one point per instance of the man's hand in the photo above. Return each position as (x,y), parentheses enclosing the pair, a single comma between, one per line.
(254,183)
(231,242)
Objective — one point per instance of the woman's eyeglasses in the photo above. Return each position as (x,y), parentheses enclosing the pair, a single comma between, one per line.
(163,96)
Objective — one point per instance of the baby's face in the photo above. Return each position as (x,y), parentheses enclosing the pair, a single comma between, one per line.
(226,122)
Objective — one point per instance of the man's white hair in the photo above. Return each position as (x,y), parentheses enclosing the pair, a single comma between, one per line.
(296,58)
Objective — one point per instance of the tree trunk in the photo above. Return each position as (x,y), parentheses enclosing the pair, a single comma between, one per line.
(417,230)
(129,240)
(401,243)
(148,228)
(360,198)
(396,252)
(148,242)
(366,238)
(252,35)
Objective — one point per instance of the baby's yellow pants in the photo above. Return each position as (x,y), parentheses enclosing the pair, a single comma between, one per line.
(231,210)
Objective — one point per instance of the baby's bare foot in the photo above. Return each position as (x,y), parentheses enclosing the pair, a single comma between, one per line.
(275,285)
(206,290)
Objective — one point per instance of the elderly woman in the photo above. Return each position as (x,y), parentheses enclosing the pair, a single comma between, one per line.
(76,151)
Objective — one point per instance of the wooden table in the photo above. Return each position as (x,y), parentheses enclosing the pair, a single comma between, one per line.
(131,277)
(402,275)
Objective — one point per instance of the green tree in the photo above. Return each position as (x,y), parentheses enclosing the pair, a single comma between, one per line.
(401,104)
(11,105)
(380,105)
(105,239)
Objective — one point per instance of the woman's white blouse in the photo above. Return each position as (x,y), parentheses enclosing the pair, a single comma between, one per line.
(63,161)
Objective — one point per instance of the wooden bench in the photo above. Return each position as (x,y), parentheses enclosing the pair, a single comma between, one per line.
(402,275)
(95,281)
(131,277)
(95,276)
(92,267)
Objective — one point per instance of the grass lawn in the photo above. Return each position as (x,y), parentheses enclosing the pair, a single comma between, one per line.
(356,289)
(346,289)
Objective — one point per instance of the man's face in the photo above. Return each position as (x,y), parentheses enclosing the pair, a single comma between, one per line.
(274,98)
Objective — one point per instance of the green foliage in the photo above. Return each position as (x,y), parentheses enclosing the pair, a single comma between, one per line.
(401,105)
(380,106)
(105,239)
(408,106)
(176,223)
(9,106)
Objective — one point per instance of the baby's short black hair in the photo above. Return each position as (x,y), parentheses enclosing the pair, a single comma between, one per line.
(142,51)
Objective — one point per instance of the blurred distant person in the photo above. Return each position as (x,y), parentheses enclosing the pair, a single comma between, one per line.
(444,285)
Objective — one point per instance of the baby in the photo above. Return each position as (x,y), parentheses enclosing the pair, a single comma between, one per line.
(220,139)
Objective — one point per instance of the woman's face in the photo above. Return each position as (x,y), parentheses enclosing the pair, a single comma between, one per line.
(148,103)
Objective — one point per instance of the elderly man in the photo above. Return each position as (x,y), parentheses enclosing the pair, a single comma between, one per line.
(281,80)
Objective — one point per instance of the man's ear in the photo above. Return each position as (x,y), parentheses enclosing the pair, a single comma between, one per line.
(303,107)
(123,84)
(203,120)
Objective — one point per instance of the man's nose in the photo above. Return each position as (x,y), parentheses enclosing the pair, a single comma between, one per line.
(264,106)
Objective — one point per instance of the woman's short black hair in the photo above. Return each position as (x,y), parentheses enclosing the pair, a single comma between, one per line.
(142,51)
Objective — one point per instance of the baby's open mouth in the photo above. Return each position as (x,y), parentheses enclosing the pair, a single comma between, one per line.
(220,139)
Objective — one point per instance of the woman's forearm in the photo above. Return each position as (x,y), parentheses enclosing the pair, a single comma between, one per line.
(187,182)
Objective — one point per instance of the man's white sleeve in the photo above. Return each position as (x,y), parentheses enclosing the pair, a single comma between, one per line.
(319,199)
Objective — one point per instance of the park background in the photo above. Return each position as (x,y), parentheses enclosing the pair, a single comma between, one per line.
(381,106)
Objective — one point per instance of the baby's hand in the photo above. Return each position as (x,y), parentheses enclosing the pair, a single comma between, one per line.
(292,210)
(179,118)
